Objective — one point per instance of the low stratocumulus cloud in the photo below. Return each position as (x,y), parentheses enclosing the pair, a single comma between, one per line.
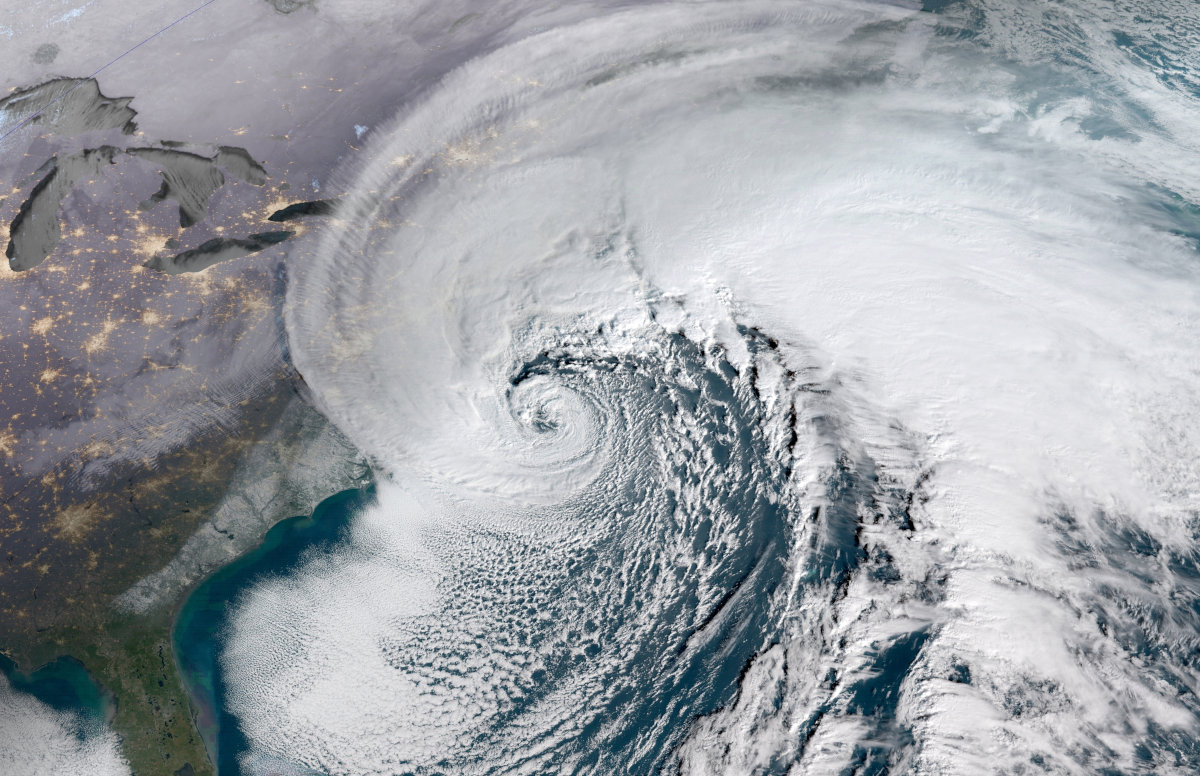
(36,740)
(755,385)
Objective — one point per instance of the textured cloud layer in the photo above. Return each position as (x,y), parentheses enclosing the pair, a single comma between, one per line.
(36,740)
(821,340)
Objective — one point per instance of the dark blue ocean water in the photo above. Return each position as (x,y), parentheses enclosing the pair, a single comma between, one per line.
(198,629)
(64,685)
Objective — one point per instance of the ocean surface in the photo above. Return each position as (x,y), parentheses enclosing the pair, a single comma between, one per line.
(783,387)
(198,628)
(63,685)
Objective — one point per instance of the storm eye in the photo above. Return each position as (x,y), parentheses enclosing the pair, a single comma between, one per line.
(542,421)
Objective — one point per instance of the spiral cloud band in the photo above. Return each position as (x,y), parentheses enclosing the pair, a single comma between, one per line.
(791,387)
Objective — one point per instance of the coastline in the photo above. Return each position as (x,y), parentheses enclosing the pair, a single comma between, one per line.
(63,684)
(128,651)
(195,627)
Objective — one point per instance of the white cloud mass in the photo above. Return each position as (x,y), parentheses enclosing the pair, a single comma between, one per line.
(973,256)
(789,387)
(37,740)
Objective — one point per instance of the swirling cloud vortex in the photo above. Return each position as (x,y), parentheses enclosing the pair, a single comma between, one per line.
(757,386)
